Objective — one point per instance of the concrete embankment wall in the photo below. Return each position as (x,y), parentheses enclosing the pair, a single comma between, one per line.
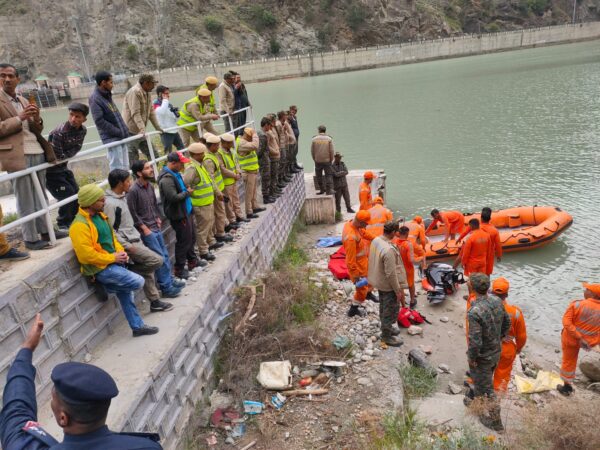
(369,57)
(165,385)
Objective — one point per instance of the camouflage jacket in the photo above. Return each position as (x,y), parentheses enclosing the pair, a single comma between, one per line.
(488,324)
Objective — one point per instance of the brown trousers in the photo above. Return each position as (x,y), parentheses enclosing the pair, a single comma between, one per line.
(205,219)
(220,218)
(4,247)
(232,208)
(209,128)
(187,136)
(250,180)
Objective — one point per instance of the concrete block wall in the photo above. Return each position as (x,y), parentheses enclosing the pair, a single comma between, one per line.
(76,322)
(184,375)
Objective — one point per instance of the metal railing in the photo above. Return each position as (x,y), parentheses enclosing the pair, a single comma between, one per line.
(40,190)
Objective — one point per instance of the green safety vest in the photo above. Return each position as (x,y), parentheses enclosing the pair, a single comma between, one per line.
(229,160)
(249,162)
(203,194)
(218,175)
(186,117)
(212,102)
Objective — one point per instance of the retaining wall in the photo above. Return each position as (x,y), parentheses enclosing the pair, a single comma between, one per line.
(368,57)
(77,325)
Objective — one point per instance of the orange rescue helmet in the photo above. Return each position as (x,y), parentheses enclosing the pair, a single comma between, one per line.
(418,219)
(500,286)
(595,288)
(369,175)
(378,199)
(363,216)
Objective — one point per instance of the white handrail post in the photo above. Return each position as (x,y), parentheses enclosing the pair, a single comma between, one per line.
(40,193)
(230,125)
(152,156)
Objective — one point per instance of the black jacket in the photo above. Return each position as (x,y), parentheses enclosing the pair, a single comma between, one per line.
(173,198)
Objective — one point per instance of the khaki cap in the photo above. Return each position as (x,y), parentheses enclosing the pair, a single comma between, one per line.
(197,147)
(204,92)
(249,131)
(211,138)
(211,80)
(227,137)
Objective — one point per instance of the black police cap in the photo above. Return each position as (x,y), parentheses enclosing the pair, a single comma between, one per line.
(80,383)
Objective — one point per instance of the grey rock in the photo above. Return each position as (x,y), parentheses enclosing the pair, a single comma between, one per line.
(444,319)
(590,367)
(368,352)
(444,368)
(454,388)
(414,330)
(360,341)
(366,358)
(309,373)
(364,381)
(418,358)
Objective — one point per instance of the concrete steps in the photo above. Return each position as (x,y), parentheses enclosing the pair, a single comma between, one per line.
(160,377)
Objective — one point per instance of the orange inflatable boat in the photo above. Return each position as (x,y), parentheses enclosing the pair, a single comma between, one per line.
(521,228)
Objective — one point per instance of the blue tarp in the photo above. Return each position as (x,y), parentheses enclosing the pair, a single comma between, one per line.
(331,241)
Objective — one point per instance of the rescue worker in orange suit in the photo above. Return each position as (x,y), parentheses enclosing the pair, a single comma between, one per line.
(474,253)
(416,235)
(581,329)
(356,241)
(408,259)
(379,215)
(486,216)
(454,222)
(364,191)
(513,342)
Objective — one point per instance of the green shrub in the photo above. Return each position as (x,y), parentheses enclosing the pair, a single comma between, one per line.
(213,25)
(261,17)
(418,382)
(537,6)
(274,46)
(356,16)
(492,27)
(10,217)
(131,52)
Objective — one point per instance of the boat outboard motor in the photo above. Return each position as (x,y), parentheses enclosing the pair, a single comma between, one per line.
(440,280)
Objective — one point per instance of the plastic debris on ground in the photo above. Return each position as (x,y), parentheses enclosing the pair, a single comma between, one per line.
(331,241)
(251,407)
(275,375)
(211,440)
(545,381)
(341,342)
(278,400)
(223,418)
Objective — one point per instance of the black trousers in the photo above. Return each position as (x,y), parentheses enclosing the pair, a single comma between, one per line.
(185,237)
(339,193)
(61,185)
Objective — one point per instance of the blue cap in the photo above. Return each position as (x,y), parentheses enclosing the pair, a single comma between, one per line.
(81,383)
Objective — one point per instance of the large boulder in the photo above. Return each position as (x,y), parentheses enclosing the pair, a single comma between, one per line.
(590,366)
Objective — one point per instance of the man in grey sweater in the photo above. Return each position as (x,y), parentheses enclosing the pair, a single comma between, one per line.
(387,275)
(321,150)
(145,261)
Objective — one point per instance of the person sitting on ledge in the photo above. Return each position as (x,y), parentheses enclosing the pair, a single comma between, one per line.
(102,257)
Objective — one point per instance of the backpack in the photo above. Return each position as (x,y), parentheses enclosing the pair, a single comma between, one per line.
(408,317)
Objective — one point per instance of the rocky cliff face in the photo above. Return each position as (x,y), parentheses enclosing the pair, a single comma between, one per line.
(43,36)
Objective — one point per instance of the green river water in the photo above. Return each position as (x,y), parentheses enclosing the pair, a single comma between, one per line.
(499,130)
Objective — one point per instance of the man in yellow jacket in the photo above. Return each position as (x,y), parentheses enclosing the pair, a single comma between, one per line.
(102,257)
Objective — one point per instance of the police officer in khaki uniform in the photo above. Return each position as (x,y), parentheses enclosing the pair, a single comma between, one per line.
(247,144)
(212,166)
(231,171)
(196,109)
(203,199)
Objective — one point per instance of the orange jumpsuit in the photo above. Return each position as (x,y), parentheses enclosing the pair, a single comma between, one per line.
(379,216)
(453,220)
(364,196)
(581,321)
(416,236)
(496,244)
(356,242)
(511,346)
(406,252)
(475,252)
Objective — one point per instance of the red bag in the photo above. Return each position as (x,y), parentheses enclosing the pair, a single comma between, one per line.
(406,317)
(337,264)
